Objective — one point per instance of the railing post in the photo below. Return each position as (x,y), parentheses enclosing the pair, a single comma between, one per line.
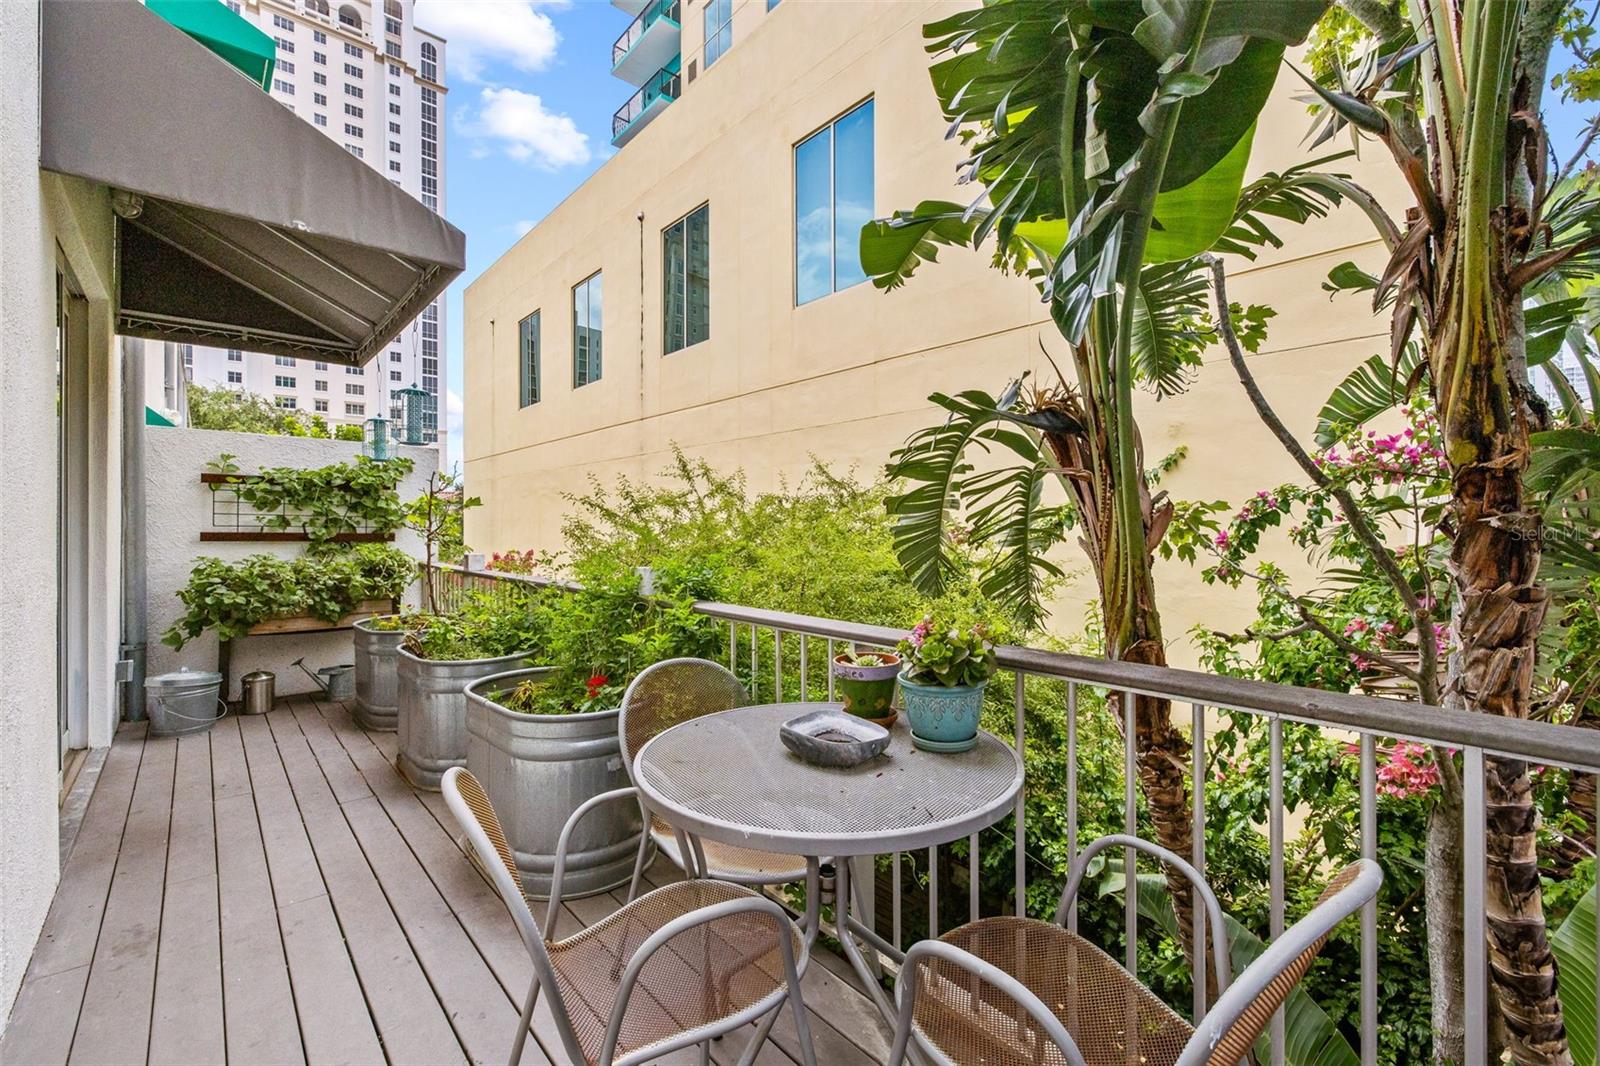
(1130,826)
(1369,912)
(777,666)
(1275,848)
(1072,792)
(894,898)
(830,690)
(1197,850)
(1473,972)
(1019,706)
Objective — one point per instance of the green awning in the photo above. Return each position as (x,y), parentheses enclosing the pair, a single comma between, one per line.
(231,36)
(152,417)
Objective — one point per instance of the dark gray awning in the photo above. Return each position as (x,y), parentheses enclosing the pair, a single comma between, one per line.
(246,227)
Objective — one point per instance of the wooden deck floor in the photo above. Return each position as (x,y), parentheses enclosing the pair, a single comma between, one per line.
(272,892)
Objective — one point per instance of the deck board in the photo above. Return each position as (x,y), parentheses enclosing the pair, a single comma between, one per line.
(273,892)
(122,976)
(186,1022)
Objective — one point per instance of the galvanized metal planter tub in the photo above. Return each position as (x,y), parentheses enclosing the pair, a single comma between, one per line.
(377,678)
(538,769)
(433,711)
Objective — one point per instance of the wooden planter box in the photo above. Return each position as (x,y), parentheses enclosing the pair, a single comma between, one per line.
(304,623)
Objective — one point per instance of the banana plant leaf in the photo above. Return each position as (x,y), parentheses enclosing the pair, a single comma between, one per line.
(1310,1036)
(1574,948)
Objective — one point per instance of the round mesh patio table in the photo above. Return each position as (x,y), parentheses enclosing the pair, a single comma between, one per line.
(729,778)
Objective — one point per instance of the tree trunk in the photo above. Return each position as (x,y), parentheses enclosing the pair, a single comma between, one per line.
(1495,562)
(1162,753)
(1161,750)
(1442,885)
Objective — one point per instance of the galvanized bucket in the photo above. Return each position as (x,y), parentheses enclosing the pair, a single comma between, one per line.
(433,711)
(538,769)
(377,702)
(188,701)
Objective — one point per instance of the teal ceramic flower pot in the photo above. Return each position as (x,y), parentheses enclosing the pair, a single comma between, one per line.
(942,718)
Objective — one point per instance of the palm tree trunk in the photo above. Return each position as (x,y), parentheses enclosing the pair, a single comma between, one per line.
(1500,607)
(1161,750)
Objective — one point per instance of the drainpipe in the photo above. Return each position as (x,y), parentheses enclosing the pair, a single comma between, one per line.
(135,604)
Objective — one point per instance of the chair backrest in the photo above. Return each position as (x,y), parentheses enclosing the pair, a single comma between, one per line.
(673,691)
(1218,938)
(1242,1013)
(470,805)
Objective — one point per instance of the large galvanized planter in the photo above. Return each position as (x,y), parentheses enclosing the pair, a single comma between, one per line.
(377,676)
(538,769)
(432,700)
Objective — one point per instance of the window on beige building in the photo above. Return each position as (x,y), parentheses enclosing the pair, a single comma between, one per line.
(587,319)
(833,171)
(528,359)
(686,280)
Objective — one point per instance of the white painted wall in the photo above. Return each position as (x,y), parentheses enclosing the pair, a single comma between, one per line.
(179,507)
(27,511)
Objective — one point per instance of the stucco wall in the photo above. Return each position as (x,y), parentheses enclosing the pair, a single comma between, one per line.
(27,511)
(845,378)
(179,507)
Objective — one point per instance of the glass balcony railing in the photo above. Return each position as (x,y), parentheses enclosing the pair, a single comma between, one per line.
(661,89)
(657,10)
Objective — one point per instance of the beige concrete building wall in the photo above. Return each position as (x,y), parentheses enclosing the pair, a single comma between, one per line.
(845,377)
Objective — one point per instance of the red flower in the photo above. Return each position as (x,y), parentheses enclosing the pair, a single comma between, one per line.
(595,684)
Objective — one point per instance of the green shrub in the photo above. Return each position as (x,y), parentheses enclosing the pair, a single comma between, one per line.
(232,597)
(326,584)
(484,627)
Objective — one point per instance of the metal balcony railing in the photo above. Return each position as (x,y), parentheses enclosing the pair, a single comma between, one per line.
(647,17)
(663,85)
(766,644)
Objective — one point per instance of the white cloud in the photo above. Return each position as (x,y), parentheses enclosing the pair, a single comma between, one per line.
(455,411)
(477,32)
(525,130)
(454,421)
(522,226)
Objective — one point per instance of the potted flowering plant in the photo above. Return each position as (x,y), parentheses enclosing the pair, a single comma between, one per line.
(942,681)
(864,681)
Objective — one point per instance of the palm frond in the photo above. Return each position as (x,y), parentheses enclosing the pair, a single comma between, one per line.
(1006,511)
(934,462)
(1171,327)
(1367,392)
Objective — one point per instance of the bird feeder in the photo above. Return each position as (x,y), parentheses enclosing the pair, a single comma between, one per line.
(375,439)
(412,403)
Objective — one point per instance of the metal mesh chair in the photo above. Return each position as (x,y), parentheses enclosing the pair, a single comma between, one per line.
(674,968)
(1021,992)
(663,695)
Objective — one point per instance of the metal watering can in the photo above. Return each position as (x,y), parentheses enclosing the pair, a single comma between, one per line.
(336,682)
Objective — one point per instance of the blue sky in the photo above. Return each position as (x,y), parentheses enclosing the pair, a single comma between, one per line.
(529,118)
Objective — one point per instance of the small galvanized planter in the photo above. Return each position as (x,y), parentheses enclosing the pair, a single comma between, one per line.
(377,704)
(432,702)
(538,769)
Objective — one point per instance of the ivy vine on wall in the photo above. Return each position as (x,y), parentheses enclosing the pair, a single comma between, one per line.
(325,501)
